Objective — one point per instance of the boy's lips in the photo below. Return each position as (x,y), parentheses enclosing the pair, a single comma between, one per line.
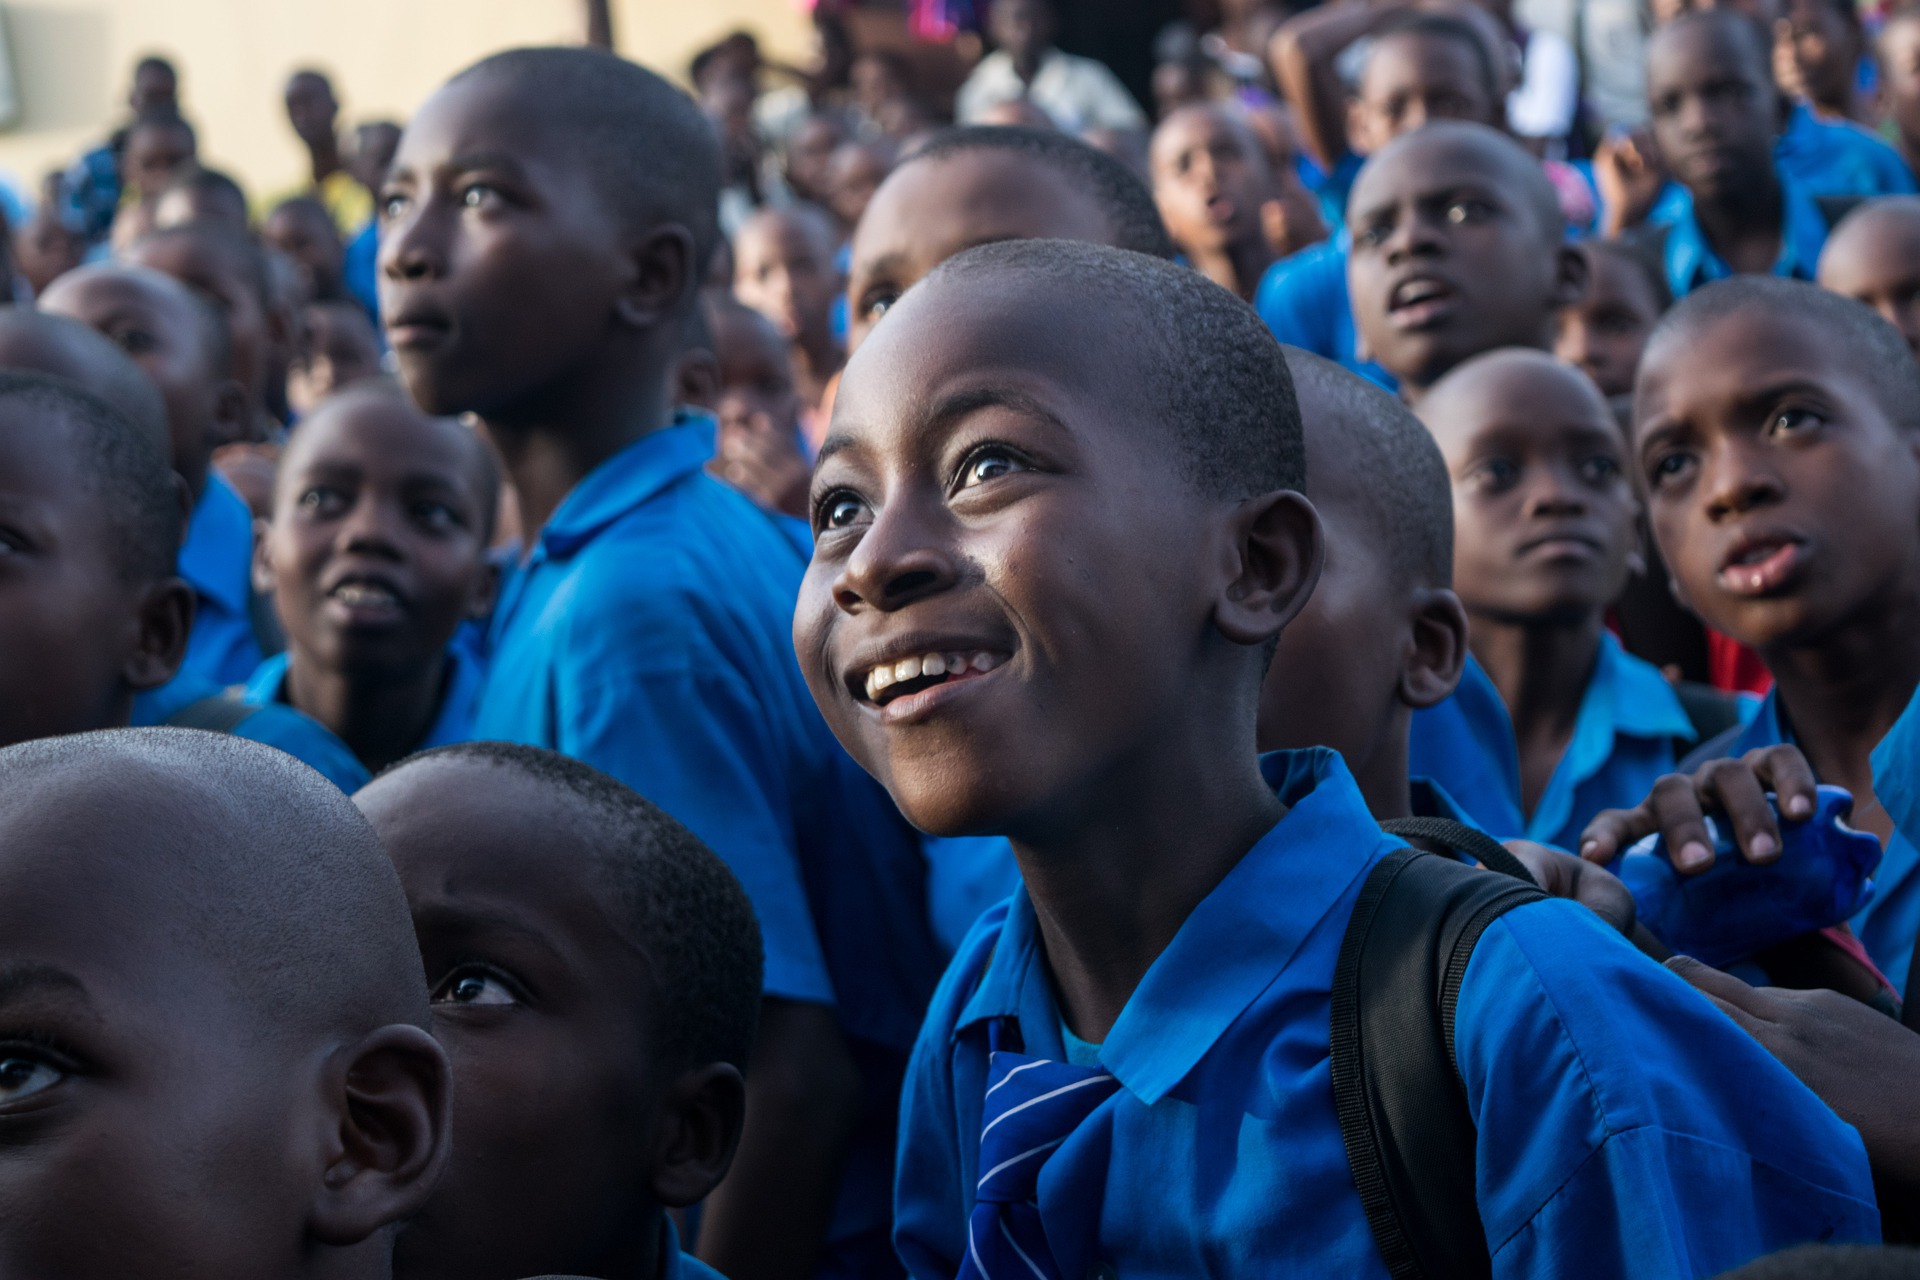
(1568,545)
(367,601)
(1420,302)
(1761,565)
(417,330)
(904,682)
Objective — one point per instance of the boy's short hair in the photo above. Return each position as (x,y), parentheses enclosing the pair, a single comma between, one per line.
(1119,192)
(164,117)
(1210,368)
(1423,25)
(1404,483)
(61,347)
(671,895)
(1877,347)
(127,465)
(648,144)
(1638,257)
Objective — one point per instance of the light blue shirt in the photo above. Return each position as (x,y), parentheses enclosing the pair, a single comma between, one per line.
(216,559)
(1626,1127)
(1303,299)
(1622,742)
(1888,925)
(649,633)
(452,722)
(274,723)
(1690,262)
(1839,158)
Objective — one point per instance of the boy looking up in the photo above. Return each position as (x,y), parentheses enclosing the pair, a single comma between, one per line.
(538,269)
(595,973)
(375,557)
(1546,530)
(783,268)
(1008,454)
(177,338)
(1210,179)
(1873,256)
(1777,428)
(217,1059)
(1457,249)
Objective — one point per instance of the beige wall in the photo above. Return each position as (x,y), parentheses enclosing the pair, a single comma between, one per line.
(72,57)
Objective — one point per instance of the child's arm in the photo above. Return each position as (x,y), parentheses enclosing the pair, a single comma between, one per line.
(768,1219)
(1302,53)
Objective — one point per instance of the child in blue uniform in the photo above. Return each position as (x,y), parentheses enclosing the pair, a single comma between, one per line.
(1776,429)
(1873,256)
(545,229)
(1046,579)
(375,558)
(595,973)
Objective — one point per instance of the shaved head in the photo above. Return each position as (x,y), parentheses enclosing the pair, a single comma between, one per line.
(65,348)
(1462,145)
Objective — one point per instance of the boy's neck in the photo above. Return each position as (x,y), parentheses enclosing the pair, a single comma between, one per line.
(1383,776)
(1746,228)
(555,439)
(1235,266)
(1542,669)
(325,160)
(380,719)
(1115,871)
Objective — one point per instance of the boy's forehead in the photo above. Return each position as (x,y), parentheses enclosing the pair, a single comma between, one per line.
(1512,390)
(481,115)
(1705,47)
(952,202)
(1427,166)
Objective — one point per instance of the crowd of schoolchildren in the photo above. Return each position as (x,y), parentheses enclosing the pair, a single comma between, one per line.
(638,684)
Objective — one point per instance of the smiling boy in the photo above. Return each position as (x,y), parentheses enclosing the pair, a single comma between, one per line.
(1021,445)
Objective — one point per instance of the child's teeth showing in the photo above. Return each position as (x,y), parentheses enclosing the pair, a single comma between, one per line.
(891,680)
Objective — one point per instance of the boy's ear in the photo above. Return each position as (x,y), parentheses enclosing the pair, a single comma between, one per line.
(263,579)
(700,1122)
(661,276)
(165,622)
(1278,547)
(389,1130)
(1438,655)
(1569,276)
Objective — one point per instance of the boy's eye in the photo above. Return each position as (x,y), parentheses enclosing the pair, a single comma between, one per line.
(1496,473)
(1374,234)
(471,987)
(1667,468)
(877,304)
(323,502)
(1787,421)
(437,516)
(839,511)
(136,342)
(1599,469)
(22,1077)
(479,195)
(392,204)
(988,464)
(1463,212)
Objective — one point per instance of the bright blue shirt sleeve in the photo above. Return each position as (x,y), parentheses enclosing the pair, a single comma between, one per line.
(1628,1128)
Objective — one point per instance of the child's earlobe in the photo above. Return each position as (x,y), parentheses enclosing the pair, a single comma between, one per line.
(1280,547)
(701,1120)
(262,573)
(389,1137)
(166,620)
(1437,657)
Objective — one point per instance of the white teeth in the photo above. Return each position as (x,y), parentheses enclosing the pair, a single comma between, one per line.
(934,664)
(354,593)
(984,662)
(880,678)
(886,675)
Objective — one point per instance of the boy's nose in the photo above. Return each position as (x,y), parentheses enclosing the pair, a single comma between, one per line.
(1737,484)
(896,563)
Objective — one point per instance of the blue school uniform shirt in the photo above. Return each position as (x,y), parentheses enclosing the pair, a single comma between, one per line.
(649,633)
(1839,158)
(361,272)
(216,559)
(1887,925)
(1304,301)
(274,723)
(1626,1127)
(452,723)
(1622,742)
(1690,262)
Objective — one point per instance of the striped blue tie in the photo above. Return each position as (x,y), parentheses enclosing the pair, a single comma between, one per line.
(1032,1106)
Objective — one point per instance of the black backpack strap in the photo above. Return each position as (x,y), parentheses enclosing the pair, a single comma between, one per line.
(1461,838)
(1402,1107)
(217,713)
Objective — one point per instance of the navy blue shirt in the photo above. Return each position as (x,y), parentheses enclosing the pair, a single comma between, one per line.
(1626,1127)
(649,633)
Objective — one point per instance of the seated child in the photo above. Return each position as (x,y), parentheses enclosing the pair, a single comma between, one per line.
(202,195)
(218,1061)
(783,267)
(375,558)
(1211,181)
(1716,116)
(1183,902)
(176,336)
(1457,249)
(1546,529)
(595,973)
(1605,331)
(648,629)
(1777,430)
(758,448)
(301,228)
(337,349)
(1873,256)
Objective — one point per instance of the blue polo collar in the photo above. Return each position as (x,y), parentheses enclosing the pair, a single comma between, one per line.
(1691,262)
(627,480)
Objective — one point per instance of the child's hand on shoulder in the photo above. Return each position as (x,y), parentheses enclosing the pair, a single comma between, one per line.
(1561,875)
(1679,804)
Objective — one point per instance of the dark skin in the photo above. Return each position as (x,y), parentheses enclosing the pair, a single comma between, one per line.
(930,210)
(987,489)
(164,328)
(312,111)
(854,172)
(573,1132)
(1023,29)
(156,1124)
(154,87)
(1451,257)
(192,202)
(809,154)
(783,268)
(1817,49)
(1874,256)
(80,635)
(155,154)
(1716,115)
(338,348)
(1210,179)
(1545,533)
(302,229)
(510,289)
(253,326)
(757,449)
(376,554)
(1899,49)
(1604,333)
(1783,497)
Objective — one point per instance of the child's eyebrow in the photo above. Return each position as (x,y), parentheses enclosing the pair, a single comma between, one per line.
(468,161)
(961,404)
(24,979)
